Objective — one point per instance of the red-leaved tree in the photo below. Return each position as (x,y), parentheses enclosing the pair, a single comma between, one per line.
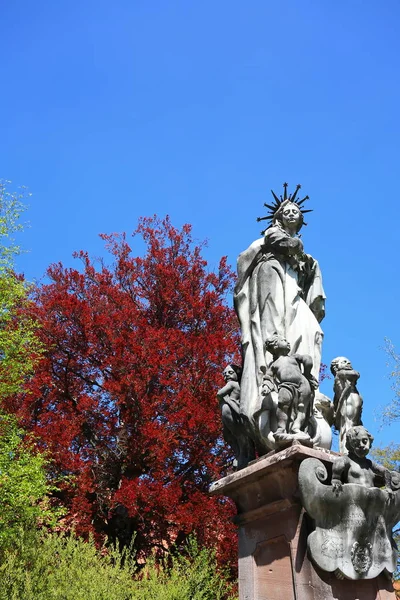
(124,399)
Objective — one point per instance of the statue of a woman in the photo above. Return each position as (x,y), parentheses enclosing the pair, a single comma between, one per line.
(279,292)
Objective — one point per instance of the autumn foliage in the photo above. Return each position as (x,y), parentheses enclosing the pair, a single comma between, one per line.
(124,398)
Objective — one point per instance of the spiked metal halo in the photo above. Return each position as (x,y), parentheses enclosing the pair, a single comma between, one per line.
(279,202)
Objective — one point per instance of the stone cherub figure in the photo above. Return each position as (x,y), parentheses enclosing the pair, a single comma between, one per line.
(292,376)
(233,427)
(357,468)
(347,401)
(354,515)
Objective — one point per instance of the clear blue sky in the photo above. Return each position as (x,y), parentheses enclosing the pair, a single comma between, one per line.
(112,110)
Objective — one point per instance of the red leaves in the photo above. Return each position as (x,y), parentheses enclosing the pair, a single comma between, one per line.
(125,398)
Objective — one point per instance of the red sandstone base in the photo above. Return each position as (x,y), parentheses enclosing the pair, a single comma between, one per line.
(273,530)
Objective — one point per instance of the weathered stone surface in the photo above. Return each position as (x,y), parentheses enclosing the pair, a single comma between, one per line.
(273,407)
(322,420)
(291,376)
(235,433)
(353,526)
(278,296)
(347,401)
(279,291)
(273,531)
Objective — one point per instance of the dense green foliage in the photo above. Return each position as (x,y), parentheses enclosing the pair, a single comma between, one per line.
(23,485)
(19,346)
(62,568)
(67,568)
(191,576)
(388,456)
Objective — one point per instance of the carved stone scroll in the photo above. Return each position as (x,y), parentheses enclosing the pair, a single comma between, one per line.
(353,528)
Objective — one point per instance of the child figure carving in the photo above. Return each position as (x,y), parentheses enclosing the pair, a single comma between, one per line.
(296,385)
(347,400)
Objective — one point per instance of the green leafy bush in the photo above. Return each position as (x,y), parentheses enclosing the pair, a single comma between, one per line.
(190,576)
(19,346)
(56,567)
(23,485)
(63,568)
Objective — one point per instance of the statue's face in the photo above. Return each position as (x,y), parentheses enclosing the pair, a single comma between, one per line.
(362,445)
(230,374)
(282,344)
(343,364)
(291,216)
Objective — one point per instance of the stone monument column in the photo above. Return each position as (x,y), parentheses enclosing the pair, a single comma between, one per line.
(273,527)
(313,524)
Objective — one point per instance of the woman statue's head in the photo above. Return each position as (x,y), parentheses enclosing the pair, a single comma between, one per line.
(286,211)
(289,216)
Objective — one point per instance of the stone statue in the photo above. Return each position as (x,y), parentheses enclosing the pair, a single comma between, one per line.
(295,386)
(356,468)
(279,291)
(319,426)
(275,400)
(347,401)
(267,417)
(321,422)
(353,517)
(233,428)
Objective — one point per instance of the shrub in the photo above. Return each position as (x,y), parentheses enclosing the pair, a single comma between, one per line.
(56,567)
(190,576)
(23,485)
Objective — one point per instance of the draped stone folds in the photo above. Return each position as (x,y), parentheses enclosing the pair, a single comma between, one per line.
(276,293)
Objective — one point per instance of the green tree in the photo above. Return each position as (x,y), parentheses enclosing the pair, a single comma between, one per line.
(389,456)
(24,502)
(19,346)
(23,483)
(391,411)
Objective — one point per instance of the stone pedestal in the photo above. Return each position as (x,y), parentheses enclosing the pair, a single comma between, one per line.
(273,530)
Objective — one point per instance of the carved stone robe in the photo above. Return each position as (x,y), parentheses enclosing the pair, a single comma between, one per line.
(276,293)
